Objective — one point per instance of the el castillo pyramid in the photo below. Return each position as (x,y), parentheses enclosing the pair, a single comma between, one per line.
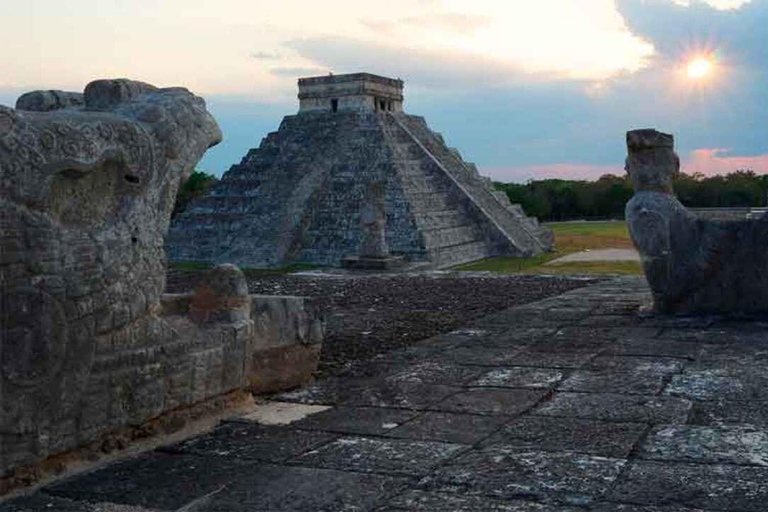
(298,197)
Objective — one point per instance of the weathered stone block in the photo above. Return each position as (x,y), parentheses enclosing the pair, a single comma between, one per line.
(87,185)
(693,265)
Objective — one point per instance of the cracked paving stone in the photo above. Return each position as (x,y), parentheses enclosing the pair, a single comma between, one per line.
(510,338)
(630,383)
(606,439)
(387,456)
(720,412)
(356,420)
(615,507)
(571,359)
(711,487)
(153,480)
(657,365)
(493,337)
(507,472)
(371,392)
(284,489)
(519,377)
(480,357)
(251,443)
(493,401)
(40,502)
(612,407)
(419,501)
(577,338)
(732,444)
(434,372)
(449,428)
(713,382)
(660,348)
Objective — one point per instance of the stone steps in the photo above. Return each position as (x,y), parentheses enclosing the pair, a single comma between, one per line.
(440,238)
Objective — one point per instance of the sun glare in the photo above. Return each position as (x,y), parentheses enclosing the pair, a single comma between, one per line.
(699,68)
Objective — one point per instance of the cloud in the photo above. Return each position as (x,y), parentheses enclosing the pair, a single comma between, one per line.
(736,36)
(298,72)
(265,56)
(427,68)
(711,161)
(449,22)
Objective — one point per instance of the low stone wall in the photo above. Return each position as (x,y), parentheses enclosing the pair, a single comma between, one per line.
(721,213)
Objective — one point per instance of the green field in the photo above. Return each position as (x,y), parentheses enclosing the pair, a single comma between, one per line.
(571,237)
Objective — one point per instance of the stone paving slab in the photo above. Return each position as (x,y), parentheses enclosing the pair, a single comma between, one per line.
(520,377)
(386,456)
(498,402)
(250,443)
(580,402)
(720,412)
(154,480)
(613,407)
(724,444)
(357,420)
(507,472)
(628,383)
(291,489)
(709,487)
(449,427)
(420,501)
(606,439)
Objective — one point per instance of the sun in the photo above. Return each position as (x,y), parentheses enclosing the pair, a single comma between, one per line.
(699,68)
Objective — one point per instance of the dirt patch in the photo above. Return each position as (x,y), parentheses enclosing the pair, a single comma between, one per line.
(368,315)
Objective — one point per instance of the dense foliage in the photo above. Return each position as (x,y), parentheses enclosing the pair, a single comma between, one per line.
(197,184)
(556,199)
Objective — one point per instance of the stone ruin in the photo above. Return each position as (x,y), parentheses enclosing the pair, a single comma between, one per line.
(88,341)
(301,195)
(693,265)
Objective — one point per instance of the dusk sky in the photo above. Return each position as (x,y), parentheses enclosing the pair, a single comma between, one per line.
(524,88)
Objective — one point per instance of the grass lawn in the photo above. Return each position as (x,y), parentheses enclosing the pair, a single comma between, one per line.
(571,237)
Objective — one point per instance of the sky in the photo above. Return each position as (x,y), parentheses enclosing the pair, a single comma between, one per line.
(523,88)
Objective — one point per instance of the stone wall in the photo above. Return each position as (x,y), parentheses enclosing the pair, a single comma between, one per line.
(88,343)
(357,91)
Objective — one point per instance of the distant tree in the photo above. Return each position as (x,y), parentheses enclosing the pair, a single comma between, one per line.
(557,199)
(196,186)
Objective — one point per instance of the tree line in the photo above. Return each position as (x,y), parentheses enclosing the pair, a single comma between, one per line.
(557,199)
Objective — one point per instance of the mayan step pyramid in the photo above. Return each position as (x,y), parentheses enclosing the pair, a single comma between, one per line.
(298,197)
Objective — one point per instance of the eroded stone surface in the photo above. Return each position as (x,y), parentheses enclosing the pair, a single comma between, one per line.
(693,265)
(499,402)
(251,443)
(87,185)
(611,407)
(511,473)
(727,444)
(709,487)
(606,439)
(368,455)
(520,378)
(419,501)
(357,420)
(448,427)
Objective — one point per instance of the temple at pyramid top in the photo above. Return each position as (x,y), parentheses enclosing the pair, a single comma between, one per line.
(356,91)
(352,178)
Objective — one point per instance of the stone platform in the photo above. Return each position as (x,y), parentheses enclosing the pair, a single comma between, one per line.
(578,402)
